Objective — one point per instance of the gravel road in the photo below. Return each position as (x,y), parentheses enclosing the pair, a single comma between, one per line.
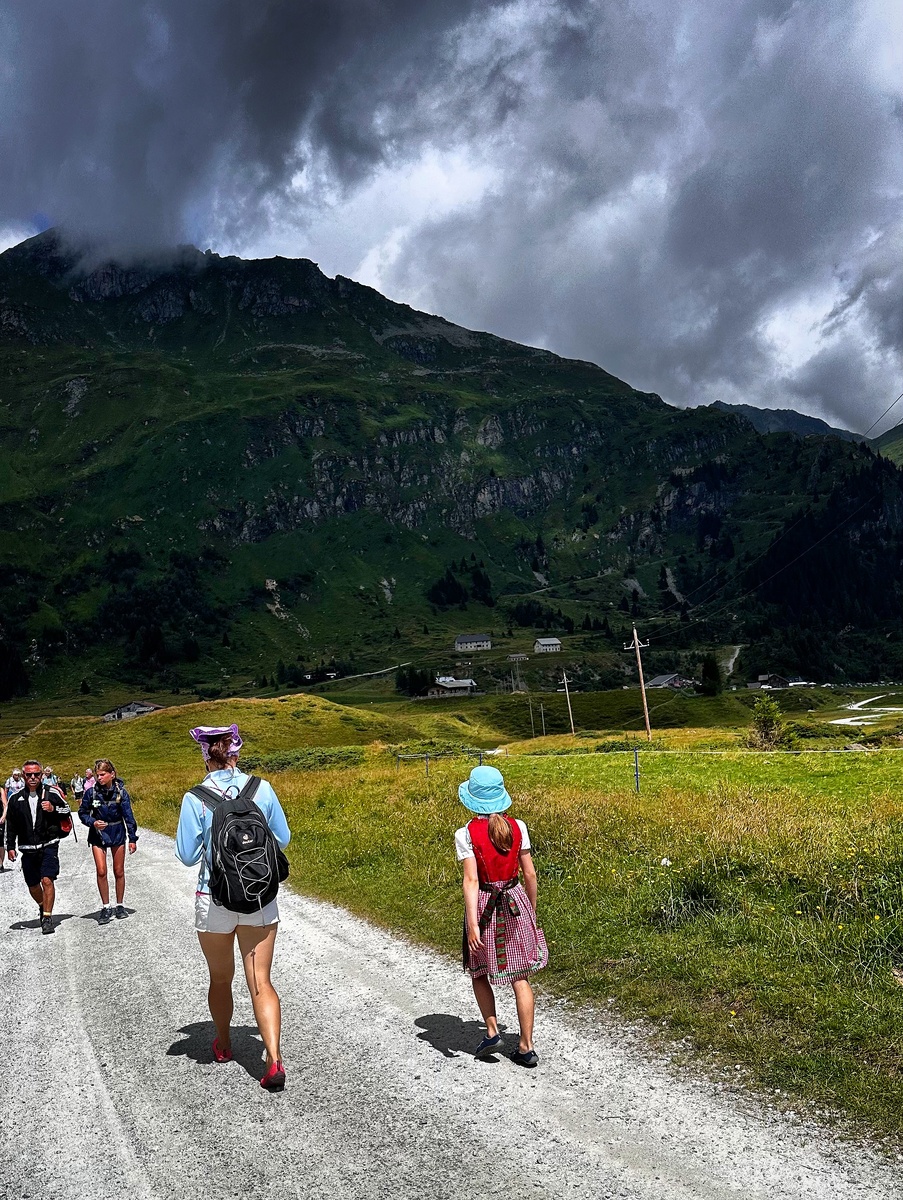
(110,1089)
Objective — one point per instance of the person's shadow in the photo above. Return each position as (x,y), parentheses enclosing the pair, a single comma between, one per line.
(197,1044)
(35,922)
(95,916)
(451,1036)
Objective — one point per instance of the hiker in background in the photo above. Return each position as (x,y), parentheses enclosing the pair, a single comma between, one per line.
(4,800)
(89,778)
(106,809)
(35,821)
(15,783)
(77,784)
(218,926)
(502,943)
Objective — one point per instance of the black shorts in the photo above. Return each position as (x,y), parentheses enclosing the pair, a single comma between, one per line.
(40,864)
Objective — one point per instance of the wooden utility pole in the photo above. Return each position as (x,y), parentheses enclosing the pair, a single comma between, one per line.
(532,725)
(637,645)
(542,714)
(567,696)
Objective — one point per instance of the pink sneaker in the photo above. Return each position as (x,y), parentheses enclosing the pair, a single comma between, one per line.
(219,1054)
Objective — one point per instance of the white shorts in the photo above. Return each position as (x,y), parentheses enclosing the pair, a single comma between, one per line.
(213,918)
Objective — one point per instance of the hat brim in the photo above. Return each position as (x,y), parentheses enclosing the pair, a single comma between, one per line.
(483,807)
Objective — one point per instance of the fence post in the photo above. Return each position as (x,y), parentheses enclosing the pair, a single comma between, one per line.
(636,768)
(481,758)
(427,766)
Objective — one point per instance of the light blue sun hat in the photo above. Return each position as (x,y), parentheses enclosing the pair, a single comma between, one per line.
(484,792)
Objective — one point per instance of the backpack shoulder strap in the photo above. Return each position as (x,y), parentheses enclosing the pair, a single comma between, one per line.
(249,791)
(206,796)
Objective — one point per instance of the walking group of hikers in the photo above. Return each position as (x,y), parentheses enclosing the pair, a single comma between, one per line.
(35,817)
(233,826)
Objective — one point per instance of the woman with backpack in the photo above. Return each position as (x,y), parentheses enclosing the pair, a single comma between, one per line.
(202,828)
(502,943)
(106,808)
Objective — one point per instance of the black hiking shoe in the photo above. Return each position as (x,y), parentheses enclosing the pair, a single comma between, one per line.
(106,915)
(525,1058)
(46,925)
(120,912)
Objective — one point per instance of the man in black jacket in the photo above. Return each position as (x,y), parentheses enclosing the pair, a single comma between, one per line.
(33,823)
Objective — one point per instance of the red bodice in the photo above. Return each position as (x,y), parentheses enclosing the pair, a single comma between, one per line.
(492,865)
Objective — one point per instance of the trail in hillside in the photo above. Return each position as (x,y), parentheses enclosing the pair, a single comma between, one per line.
(732,659)
(18,738)
(111,1089)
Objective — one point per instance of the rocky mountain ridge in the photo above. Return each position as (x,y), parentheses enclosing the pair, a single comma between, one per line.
(177,433)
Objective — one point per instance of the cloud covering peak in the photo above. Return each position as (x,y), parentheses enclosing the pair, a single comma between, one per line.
(704,198)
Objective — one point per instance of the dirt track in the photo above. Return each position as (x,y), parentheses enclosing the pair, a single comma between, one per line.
(111,1090)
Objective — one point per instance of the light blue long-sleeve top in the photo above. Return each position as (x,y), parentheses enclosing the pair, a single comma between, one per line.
(195,819)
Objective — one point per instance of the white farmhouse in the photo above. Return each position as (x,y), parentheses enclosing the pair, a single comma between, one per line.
(473,641)
(547,646)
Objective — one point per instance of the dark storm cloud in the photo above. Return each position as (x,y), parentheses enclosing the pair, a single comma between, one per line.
(682,186)
(134,122)
(703,197)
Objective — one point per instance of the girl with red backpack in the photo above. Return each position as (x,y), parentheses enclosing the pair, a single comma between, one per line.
(502,942)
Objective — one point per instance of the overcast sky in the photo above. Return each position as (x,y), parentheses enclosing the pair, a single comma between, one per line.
(702,196)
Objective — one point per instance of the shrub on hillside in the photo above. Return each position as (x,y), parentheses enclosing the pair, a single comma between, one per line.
(769,731)
(316,759)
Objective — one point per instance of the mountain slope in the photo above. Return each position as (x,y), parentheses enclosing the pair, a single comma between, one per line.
(890,444)
(786,420)
(210,465)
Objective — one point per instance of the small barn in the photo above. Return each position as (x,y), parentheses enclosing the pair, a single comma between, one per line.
(128,712)
(668,681)
(446,686)
(770,681)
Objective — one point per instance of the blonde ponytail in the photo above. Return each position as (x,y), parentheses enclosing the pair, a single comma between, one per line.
(500,833)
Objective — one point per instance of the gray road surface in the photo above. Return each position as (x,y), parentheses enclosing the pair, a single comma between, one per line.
(110,1089)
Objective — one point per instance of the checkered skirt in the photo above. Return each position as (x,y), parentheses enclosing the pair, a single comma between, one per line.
(513,946)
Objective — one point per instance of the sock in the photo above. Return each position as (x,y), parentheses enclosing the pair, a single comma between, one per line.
(45,914)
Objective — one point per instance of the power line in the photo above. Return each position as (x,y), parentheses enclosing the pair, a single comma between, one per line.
(883,415)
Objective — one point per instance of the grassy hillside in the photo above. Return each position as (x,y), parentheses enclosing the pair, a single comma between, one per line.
(161,740)
(604,721)
(217,472)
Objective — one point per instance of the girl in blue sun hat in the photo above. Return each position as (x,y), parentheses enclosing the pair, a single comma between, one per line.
(502,942)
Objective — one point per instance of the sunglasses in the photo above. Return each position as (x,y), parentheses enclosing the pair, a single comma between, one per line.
(32,774)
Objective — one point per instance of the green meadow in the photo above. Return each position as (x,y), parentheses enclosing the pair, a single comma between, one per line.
(747,904)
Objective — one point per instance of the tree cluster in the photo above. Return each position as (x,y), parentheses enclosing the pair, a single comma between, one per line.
(462,582)
(532,614)
(413,681)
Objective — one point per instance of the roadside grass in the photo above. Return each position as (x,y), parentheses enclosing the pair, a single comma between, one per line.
(749,903)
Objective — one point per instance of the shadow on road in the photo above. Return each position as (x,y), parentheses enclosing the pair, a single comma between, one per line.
(197,1044)
(95,916)
(451,1036)
(35,923)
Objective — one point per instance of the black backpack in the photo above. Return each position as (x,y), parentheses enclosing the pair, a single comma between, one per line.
(246,864)
(56,824)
